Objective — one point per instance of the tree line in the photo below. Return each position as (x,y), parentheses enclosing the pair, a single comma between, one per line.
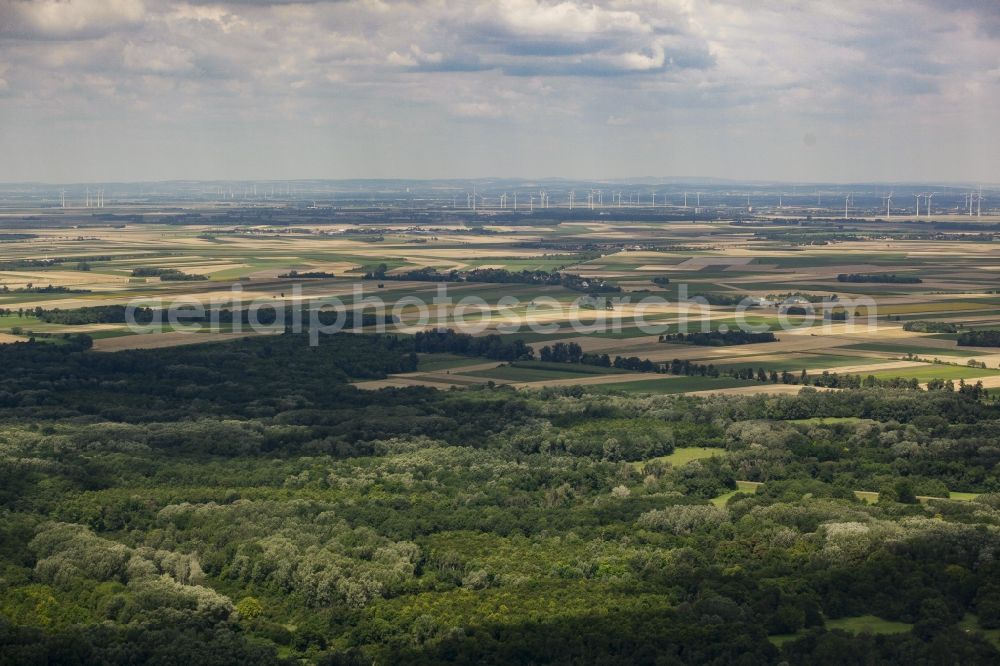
(498,276)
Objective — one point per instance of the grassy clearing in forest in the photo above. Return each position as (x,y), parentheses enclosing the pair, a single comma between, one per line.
(862,624)
(681,456)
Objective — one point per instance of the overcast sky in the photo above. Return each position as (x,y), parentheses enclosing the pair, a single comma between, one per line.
(832,90)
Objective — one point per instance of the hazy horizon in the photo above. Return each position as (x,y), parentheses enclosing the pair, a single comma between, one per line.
(151,91)
(636,181)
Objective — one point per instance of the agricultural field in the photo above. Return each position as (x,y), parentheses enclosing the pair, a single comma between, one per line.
(409,488)
(66,264)
(317,348)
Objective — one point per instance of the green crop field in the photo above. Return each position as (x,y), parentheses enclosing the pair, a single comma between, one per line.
(929,371)
(917,349)
(799,362)
(438,362)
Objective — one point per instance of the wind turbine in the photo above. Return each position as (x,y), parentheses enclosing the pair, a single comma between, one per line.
(979,203)
(918,203)
(888,200)
(847,202)
(929,203)
(685,199)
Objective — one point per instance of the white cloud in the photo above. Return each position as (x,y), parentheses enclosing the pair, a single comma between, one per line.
(478,110)
(534,71)
(157,58)
(563,20)
(67,19)
(401,59)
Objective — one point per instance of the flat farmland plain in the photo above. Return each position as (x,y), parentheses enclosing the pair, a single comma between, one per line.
(631,279)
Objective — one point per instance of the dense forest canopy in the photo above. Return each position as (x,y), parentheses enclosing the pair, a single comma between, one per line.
(244,503)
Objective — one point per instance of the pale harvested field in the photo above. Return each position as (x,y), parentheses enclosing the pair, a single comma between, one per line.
(991,381)
(6,338)
(506,239)
(592,344)
(92,280)
(991,358)
(933,298)
(667,352)
(865,368)
(847,333)
(216,292)
(442,265)
(80,328)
